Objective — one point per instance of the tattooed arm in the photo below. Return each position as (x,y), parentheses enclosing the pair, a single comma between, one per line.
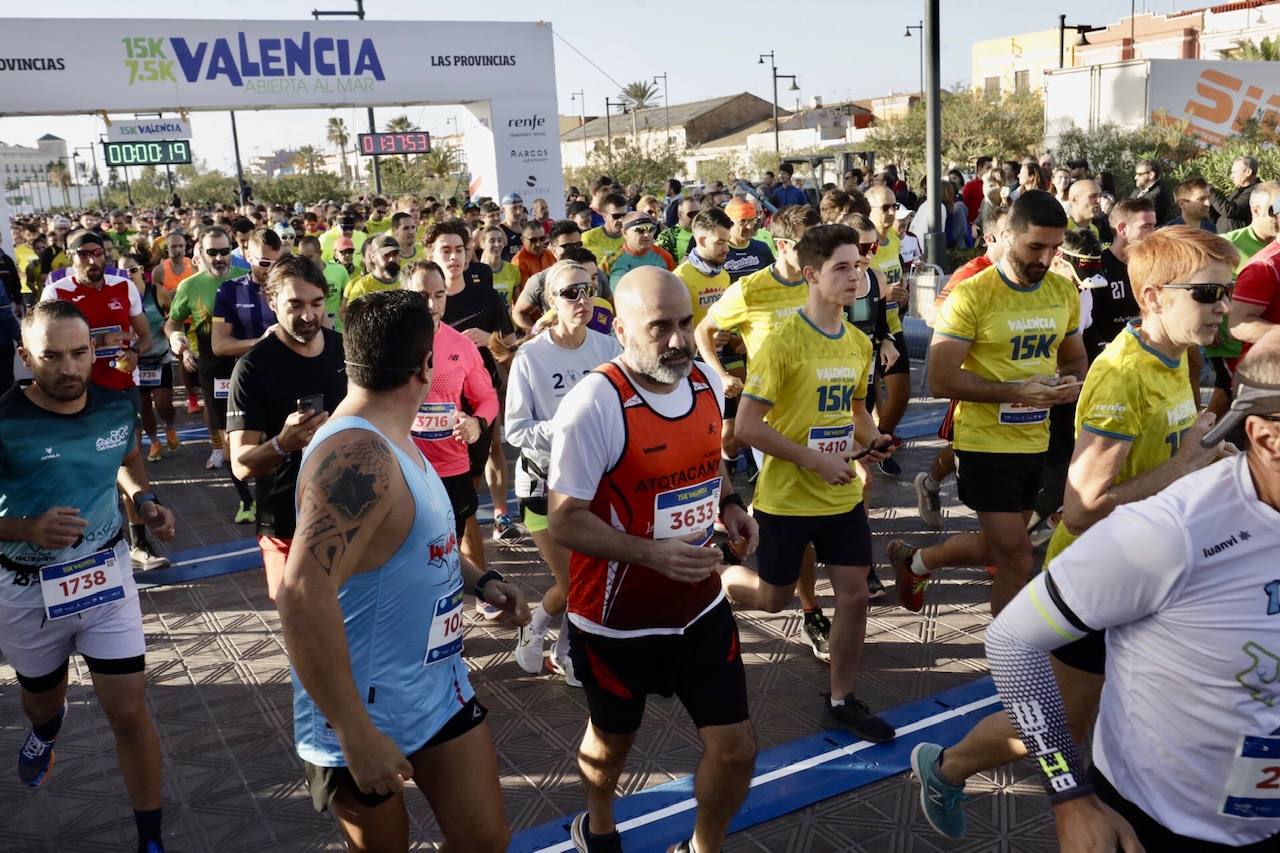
(349,485)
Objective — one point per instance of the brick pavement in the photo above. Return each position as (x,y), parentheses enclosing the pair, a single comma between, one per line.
(218,685)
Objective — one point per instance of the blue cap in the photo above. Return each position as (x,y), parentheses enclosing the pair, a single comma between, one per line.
(512,198)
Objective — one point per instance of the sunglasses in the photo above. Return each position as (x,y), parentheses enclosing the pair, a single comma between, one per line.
(218,253)
(868,249)
(643,230)
(888,208)
(574,292)
(1206,294)
(537,240)
(748,223)
(616,216)
(132,270)
(263,263)
(89,254)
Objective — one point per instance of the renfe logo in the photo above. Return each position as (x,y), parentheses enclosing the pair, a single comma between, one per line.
(274,57)
(534,122)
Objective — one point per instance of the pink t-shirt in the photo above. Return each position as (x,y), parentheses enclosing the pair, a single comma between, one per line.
(457,373)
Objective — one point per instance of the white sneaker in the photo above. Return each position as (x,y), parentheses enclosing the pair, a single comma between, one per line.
(928,502)
(216,459)
(529,649)
(564,666)
(145,561)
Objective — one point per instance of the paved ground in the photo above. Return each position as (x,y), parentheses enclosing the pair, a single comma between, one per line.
(219,688)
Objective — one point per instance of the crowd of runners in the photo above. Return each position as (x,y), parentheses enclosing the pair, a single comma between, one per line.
(691,395)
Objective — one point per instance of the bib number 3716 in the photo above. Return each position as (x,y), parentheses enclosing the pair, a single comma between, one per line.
(687,511)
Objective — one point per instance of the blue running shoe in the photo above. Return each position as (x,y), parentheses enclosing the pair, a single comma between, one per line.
(942,802)
(35,759)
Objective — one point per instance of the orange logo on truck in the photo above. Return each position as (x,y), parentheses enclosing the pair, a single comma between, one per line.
(1222,105)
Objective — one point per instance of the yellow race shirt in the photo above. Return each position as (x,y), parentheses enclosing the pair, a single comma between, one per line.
(601,244)
(1133,394)
(507,282)
(812,381)
(704,289)
(888,265)
(377,226)
(1015,334)
(365,285)
(755,304)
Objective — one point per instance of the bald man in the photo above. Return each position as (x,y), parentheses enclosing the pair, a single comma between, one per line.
(636,486)
(1084,203)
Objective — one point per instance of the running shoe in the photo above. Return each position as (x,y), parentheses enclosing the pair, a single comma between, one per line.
(35,759)
(216,460)
(875,586)
(193,404)
(145,559)
(156,453)
(941,802)
(1042,532)
(890,467)
(584,842)
(529,649)
(928,501)
(561,668)
(247,513)
(817,633)
(486,610)
(171,438)
(504,529)
(910,585)
(857,718)
(685,846)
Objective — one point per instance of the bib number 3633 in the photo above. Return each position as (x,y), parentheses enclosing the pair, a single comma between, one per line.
(82,584)
(686,511)
(445,639)
(1253,786)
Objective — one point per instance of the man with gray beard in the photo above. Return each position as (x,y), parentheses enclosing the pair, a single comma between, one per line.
(636,486)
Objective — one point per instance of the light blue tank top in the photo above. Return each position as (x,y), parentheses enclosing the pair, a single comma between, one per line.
(403,623)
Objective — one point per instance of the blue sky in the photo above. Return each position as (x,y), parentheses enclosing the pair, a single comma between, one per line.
(838,50)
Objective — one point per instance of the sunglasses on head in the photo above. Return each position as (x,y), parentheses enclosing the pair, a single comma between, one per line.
(1206,294)
(574,292)
(215,253)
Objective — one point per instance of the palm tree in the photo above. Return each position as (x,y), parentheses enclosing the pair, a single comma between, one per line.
(1268,50)
(338,135)
(306,157)
(438,162)
(401,124)
(638,96)
(58,174)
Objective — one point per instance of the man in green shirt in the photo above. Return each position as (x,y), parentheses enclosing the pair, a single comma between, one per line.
(1249,240)
(678,239)
(335,274)
(607,238)
(384,272)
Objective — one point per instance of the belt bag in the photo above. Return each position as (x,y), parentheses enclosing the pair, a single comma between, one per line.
(21,569)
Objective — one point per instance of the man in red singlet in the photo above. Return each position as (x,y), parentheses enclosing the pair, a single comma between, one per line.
(636,486)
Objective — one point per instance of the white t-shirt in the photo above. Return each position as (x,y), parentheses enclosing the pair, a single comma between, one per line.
(1187,584)
(589,434)
(542,373)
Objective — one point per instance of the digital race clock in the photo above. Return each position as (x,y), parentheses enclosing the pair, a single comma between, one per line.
(158,153)
(413,142)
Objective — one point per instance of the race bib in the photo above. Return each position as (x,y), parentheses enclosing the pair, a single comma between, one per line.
(108,341)
(1253,786)
(686,511)
(1020,414)
(445,639)
(434,421)
(221,389)
(147,377)
(837,439)
(81,584)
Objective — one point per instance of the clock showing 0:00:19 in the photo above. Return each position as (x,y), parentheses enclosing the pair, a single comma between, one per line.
(158,153)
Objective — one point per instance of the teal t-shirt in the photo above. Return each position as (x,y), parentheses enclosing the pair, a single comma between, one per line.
(48,460)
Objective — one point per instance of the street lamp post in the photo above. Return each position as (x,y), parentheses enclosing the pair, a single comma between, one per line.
(582,105)
(373,128)
(1081,41)
(72,169)
(920,29)
(666,103)
(795,87)
(935,246)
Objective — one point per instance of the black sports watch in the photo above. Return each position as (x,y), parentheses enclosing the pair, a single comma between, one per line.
(484,579)
(732,498)
(145,497)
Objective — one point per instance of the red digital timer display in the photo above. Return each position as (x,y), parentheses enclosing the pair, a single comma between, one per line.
(414,142)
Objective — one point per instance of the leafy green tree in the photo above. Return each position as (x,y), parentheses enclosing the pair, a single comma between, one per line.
(1267,50)
(1116,150)
(401,124)
(307,157)
(647,165)
(336,132)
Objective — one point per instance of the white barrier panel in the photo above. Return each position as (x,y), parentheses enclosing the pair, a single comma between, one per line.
(144,130)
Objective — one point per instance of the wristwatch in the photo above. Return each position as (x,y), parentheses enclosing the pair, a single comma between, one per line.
(144,497)
(732,498)
(484,579)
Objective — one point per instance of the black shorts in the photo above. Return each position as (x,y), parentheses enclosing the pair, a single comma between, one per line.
(463,499)
(1221,373)
(325,782)
(838,540)
(97,666)
(1154,836)
(212,369)
(166,377)
(478,450)
(998,482)
(702,667)
(903,365)
(1062,434)
(1087,654)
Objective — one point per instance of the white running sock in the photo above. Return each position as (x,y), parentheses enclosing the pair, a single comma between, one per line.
(917,563)
(541,621)
(560,650)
